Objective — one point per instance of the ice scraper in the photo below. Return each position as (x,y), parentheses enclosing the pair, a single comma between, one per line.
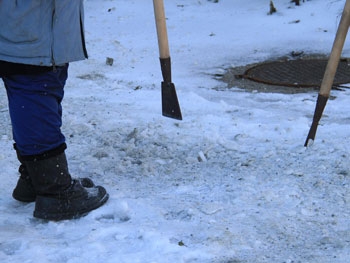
(170,103)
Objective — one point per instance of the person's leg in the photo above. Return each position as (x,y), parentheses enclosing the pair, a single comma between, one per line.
(36,111)
(36,116)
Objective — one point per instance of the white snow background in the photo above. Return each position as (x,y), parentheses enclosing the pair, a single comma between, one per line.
(230,183)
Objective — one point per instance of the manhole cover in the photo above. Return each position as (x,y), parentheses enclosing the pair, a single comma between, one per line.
(297,73)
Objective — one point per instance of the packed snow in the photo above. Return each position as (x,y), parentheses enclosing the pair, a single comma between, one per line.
(230,183)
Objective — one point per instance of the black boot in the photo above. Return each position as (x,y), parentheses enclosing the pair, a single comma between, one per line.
(60,197)
(74,202)
(24,190)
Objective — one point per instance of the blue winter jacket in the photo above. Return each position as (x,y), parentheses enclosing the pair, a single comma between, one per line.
(41,32)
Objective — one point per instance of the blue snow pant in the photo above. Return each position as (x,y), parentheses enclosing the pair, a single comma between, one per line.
(36,111)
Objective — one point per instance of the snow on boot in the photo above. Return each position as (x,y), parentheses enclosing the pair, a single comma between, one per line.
(59,197)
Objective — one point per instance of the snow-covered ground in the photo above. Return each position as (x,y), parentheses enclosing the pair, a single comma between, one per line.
(231,182)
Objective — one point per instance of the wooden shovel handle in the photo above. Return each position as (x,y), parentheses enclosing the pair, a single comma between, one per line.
(161,29)
(337,48)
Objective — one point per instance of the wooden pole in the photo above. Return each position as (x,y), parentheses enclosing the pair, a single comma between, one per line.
(330,72)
